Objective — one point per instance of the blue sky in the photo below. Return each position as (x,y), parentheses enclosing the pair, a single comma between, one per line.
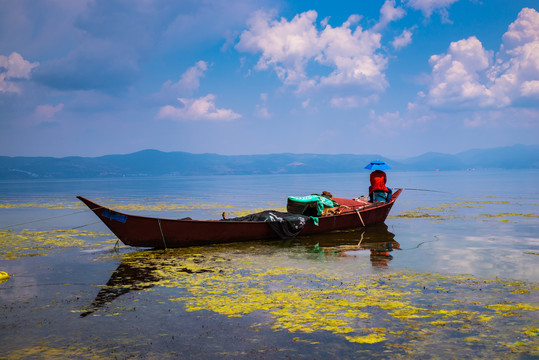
(396,78)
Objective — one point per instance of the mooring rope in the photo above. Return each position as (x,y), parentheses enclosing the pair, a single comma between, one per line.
(360,218)
(81,226)
(163,236)
(50,218)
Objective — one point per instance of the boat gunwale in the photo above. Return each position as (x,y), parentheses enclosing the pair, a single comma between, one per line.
(368,207)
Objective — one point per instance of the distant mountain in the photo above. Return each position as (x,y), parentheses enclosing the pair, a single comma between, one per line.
(158,163)
(509,157)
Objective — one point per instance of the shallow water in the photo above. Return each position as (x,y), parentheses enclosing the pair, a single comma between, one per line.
(452,274)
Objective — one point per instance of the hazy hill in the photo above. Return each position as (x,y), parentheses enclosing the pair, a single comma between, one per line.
(158,163)
(509,157)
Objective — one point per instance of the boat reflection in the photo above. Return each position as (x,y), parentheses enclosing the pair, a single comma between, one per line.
(376,239)
(126,278)
(142,270)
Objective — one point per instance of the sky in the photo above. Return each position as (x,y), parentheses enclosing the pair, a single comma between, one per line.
(397,78)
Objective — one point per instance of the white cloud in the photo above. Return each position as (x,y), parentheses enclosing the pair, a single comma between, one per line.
(190,79)
(48,111)
(285,46)
(14,67)
(403,40)
(347,102)
(197,109)
(262,109)
(387,124)
(7,86)
(427,7)
(455,75)
(262,112)
(288,47)
(467,75)
(388,13)
(516,71)
(350,102)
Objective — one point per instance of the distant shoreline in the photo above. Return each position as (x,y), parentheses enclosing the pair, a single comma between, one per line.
(150,163)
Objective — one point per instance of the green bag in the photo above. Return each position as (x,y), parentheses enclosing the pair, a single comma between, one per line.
(311,205)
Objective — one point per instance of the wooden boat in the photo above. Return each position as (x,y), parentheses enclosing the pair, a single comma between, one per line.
(143,231)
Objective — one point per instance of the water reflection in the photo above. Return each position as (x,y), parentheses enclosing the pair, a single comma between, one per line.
(376,239)
(124,279)
(144,269)
(140,271)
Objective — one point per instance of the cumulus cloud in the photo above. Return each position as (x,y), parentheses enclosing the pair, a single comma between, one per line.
(197,109)
(427,7)
(403,40)
(287,47)
(189,80)
(469,75)
(455,75)
(388,13)
(516,71)
(12,69)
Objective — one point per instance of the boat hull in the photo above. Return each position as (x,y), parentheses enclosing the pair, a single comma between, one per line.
(142,231)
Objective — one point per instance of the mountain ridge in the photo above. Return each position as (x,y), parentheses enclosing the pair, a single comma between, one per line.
(152,162)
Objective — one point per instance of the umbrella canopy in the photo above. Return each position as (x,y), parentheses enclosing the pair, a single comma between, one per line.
(377,165)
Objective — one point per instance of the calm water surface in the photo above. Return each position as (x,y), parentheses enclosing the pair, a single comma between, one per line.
(452,274)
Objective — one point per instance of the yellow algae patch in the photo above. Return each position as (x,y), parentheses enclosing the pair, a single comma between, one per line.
(159,206)
(367,339)
(509,214)
(361,307)
(409,312)
(17,244)
(509,307)
(521,291)
(63,352)
(531,331)
(44,205)
(450,211)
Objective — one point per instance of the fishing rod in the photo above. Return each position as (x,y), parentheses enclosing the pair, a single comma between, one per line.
(443,192)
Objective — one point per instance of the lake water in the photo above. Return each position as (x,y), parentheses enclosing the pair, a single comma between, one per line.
(453,273)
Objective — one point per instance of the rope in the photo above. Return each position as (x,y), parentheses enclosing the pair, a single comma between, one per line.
(443,192)
(78,227)
(360,218)
(163,236)
(361,240)
(50,218)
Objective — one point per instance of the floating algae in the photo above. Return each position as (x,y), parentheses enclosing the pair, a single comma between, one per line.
(396,310)
(147,206)
(17,244)
(458,211)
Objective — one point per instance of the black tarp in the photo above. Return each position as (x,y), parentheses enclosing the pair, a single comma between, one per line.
(284,224)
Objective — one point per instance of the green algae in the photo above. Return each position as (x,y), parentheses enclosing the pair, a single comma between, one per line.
(64,352)
(147,206)
(25,243)
(457,211)
(392,308)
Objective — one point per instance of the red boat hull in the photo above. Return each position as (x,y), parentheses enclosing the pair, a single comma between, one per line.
(142,231)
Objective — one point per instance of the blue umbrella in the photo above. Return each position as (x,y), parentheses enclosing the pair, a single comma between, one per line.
(377,165)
